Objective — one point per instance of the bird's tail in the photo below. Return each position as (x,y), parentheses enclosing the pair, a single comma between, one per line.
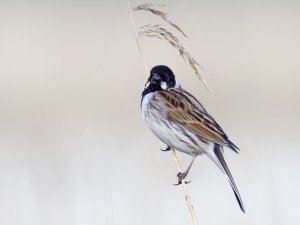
(217,157)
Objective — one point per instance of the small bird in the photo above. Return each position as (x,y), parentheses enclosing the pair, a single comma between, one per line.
(179,120)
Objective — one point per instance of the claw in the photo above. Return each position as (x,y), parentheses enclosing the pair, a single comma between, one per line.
(182,176)
(168,148)
(180,182)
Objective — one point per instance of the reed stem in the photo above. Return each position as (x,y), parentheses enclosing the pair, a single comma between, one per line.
(136,37)
(184,188)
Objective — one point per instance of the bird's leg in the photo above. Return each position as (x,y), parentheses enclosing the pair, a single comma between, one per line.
(168,148)
(183,175)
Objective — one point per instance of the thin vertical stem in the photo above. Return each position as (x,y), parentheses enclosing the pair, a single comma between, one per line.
(187,196)
(184,188)
(136,37)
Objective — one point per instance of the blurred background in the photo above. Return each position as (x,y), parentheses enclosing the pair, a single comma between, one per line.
(74,149)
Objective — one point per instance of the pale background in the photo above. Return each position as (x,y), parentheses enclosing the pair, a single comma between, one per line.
(74,149)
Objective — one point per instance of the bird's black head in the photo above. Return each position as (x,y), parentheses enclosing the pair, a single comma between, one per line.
(161,78)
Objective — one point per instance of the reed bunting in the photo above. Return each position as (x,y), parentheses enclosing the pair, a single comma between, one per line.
(179,120)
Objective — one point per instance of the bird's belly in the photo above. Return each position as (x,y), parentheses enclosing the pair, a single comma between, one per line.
(171,133)
(182,141)
(177,137)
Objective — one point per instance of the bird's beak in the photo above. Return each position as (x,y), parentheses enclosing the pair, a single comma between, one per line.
(155,78)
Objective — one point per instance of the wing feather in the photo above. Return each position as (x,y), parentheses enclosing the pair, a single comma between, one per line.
(188,112)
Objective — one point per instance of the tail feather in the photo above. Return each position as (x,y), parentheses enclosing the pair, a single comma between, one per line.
(233,146)
(217,157)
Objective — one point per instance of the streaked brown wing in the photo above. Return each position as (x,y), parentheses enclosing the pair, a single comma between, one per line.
(187,111)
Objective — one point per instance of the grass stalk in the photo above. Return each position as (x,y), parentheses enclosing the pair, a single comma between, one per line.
(184,188)
(136,37)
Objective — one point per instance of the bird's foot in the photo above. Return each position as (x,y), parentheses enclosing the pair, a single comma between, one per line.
(181,176)
(168,148)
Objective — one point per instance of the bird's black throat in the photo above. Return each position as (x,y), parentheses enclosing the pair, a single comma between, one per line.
(151,88)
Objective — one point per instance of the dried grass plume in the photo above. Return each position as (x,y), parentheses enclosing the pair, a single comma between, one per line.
(158,31)
(150,7)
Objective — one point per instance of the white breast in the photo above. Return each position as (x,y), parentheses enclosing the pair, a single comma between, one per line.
(154,113)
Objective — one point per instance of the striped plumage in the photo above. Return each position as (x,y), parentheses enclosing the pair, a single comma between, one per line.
(180,121)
